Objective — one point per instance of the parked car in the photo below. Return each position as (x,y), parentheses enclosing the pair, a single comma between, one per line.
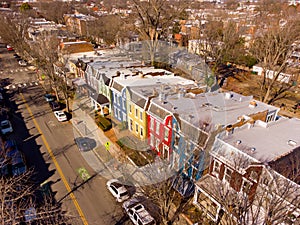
(9,48)
(18,165)
(54,105)
(6,127)
(133,203)
(22,62)
(16,56)
(118,190)
(49,97)
(138,213)
(60,116)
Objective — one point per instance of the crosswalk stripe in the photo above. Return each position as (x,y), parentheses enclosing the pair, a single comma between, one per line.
(20,85)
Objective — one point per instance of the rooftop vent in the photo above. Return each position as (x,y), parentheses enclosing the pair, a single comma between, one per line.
(292,143)
(228,95)
(253,149)
(252,104)
(238,142)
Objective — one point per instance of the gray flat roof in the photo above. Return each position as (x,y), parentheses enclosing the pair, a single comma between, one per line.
(268,143)
(212,107)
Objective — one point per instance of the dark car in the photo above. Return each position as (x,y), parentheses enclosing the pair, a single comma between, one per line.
(85,143)
(49,97)
(54,105)
(16,56)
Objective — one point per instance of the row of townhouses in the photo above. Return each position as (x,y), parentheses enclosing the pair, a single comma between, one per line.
(237,152)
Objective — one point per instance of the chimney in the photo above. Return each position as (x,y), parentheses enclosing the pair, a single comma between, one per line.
(229,130)
(161,97)
(181,93)
(122,76)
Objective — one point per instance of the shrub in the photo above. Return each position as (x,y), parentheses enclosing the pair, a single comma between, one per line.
(104,123)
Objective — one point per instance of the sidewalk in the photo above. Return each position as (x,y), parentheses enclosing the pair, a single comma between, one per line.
(111,163)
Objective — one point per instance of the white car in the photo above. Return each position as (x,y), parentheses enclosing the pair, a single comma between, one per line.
(6,127)
(60,115)
(118,190)
(22,62)
(137,212)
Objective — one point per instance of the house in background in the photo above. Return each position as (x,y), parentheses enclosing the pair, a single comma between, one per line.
(254,167)
(78,23)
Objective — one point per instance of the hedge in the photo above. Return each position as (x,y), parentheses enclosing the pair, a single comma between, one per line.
(104,123)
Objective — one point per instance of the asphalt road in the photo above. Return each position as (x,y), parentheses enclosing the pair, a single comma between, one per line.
(50,150)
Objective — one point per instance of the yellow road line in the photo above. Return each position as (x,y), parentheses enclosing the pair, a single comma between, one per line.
(56,164)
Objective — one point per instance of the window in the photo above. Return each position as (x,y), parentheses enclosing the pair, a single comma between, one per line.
(176,141)
(141,115)
(151,123)
(166,136)
(194,172)
(130,124)
(246,185)
(130,108)
(166,152)
(216,168)
(136,128)
(141,132)
(157,127)
(136,113)
(227,174)
(254,176)
(152,140)
(270,117)
(116,97)
(157,144)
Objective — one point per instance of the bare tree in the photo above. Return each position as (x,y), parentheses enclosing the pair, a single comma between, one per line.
(269,199)
(15,33)
(221,42)
(55,10)
(18,200)
(107,28)
(154,17)
(161,192)
(45,53)
(272,47)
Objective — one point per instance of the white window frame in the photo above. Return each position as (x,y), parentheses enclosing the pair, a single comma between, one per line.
(130,108)
(252,176)
(141,131)
(270,117)
(157,142)
(137,128)
(152,140)
(141,115)
(176,137)
(226,175)
(136,112)
(243,184)
(151,123)
(214,170)
(166,148)
(130,124)
(157,128)
(166,134)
